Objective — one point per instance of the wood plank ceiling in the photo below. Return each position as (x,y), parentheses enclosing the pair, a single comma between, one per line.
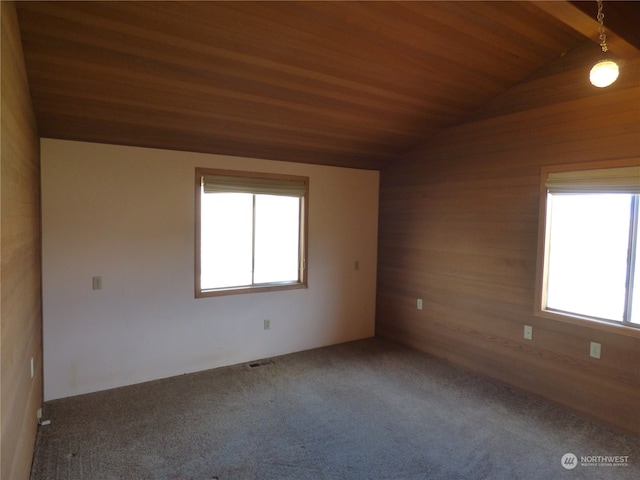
(338,83)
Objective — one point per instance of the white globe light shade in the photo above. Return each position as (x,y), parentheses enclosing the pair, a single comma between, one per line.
(604,73)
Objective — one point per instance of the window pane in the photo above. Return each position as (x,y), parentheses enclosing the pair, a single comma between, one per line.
(589,239)
(226,226)
(277,238)
(635,302)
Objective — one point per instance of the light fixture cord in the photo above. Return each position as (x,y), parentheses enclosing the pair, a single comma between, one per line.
(603,36)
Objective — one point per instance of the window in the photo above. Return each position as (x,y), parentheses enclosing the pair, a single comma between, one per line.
(590,267)
(250,232)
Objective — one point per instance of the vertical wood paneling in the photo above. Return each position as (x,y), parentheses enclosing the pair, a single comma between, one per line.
(458,228)
(20,297)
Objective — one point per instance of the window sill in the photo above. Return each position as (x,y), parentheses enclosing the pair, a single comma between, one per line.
(268,287)
(603,325)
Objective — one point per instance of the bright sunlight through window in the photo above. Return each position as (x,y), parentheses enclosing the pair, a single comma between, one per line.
(589,241)
(591,262)
(250,233)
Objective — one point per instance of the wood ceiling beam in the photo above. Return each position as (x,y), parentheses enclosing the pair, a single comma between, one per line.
(619,43)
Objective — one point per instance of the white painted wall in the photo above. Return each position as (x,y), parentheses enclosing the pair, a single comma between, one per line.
(127,214)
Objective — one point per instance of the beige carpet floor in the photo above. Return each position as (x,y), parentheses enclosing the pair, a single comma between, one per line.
(363,410)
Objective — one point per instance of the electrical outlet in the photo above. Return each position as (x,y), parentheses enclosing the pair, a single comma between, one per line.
(595,350)
(97,283)
(528,332)
(356,265)
(267,324)
(419,304)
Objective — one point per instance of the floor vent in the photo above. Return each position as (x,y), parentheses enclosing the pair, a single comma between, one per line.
(261,363)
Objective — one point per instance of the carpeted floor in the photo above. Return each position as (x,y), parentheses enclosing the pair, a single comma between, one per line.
(364,410)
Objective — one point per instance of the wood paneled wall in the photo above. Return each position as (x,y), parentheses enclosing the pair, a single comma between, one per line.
(458,228)
(20,307)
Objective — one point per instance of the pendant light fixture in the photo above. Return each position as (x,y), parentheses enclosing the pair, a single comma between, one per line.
(605,72)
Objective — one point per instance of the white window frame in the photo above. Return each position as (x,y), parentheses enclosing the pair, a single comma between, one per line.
(259,178)
(540,310)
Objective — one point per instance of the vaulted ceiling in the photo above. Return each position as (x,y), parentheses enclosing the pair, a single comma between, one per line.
(354,84)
